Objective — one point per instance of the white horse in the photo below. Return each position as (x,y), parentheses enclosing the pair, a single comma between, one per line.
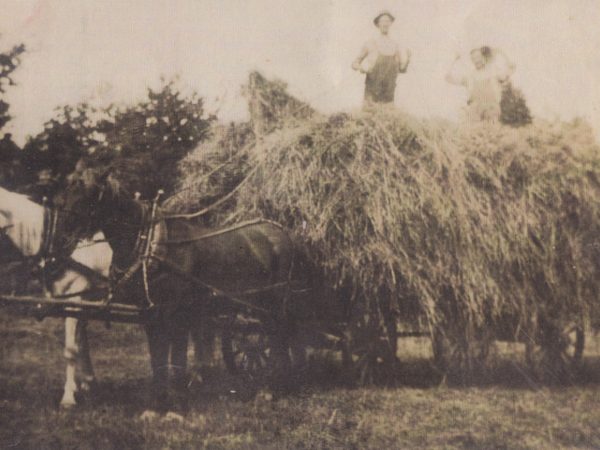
(23,222)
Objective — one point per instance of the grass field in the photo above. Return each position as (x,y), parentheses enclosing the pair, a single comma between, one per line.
(418,411)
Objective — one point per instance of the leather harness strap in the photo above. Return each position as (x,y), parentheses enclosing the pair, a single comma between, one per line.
(218,232)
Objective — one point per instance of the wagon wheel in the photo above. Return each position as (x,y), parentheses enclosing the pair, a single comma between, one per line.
(252,353)
(460,356)
(369,352)
(245,354)
(440,349)
(555,354)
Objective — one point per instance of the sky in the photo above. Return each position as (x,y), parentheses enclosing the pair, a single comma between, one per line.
(105,51)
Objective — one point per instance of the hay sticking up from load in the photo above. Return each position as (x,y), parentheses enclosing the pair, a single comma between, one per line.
(463,226)
(219,164)
(271,106)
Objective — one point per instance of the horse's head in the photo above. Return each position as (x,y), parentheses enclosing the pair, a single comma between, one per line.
(83,203)
(96,199)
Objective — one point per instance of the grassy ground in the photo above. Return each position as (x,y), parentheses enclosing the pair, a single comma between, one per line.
(506,411)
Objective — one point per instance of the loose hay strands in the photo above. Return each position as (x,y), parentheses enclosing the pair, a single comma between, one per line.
(463,225)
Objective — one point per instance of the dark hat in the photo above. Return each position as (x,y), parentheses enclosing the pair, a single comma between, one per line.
(385,12)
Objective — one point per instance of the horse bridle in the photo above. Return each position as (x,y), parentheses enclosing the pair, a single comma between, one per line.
(141,251)
(50,260)
(46,255)
(5,227)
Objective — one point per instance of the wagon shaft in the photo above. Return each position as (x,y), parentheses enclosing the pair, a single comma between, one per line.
(42,307)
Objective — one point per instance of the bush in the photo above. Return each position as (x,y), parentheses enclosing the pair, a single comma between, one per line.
(514,109)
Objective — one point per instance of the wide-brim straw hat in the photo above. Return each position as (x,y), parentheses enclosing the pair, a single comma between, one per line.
(385,12)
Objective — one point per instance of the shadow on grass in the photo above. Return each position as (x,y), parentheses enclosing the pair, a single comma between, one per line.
(324,374)
(130,395)
(321,375)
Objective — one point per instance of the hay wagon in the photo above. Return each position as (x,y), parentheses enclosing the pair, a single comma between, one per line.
(365,331)
(366,339)
(246,347)
(552,349)
(358,336)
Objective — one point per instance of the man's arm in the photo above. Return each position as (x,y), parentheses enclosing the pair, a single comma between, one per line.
(403,63)
(451,76)
(509,66)
(356,65)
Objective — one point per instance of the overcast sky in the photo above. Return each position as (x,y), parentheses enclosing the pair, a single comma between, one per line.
(111,50)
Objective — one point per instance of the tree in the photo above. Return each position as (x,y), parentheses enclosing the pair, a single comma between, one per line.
(153,136)
(55,151)
(8,63)
(10,167)
(514,109)
(142,143)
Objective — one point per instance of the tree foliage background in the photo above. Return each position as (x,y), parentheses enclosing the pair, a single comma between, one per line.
(10,168)
(144,141)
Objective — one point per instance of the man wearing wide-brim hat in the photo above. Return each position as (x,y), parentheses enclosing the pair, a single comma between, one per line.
(381,60)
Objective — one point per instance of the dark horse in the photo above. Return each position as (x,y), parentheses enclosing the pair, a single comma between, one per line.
(249,264)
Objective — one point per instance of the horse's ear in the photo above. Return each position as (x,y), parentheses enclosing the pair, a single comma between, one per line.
(88,177)
(112,183)
(104,175)
(91,178)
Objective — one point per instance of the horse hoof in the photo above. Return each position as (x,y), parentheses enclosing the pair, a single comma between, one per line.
(67,405)
(195,381)
(149,416)
(174,417)
(88,387)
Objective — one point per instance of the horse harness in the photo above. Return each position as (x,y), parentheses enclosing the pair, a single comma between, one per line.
(48,262)
(144,254)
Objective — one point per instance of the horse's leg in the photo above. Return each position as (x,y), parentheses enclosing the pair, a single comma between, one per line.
(279,359)
(71,353)
(179,341)
(298,353)
(76,346)
(203,338)
(158,346)
(87,378)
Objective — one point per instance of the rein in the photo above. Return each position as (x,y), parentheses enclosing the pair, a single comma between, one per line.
(215,204)
(219,232)
(6,227)
(142,249)
(49,232)
(47,256)
(145,240)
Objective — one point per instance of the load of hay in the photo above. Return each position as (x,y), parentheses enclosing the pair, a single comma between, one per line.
(471,230)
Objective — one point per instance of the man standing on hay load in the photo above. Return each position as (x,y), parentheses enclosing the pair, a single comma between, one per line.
(381,60)
(484,82)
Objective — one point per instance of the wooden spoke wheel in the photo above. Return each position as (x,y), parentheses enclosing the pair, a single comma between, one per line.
(555,354)
(246,354)
(441,350)
(369,353)
(460,357)
(250,352)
